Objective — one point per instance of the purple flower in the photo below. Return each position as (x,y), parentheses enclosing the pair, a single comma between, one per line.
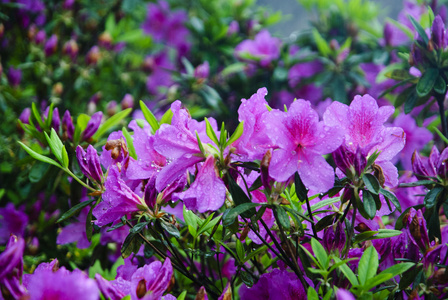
(234,27)
(114,290)
(207,192)
(254,142)
(362,125)
(75,232)
(40,38)
(61,284)
(416,138)
(14,76)
(118,200)
(351,164)
(301,141)
(111,108)
(263,48)
(92,125)
(334,238)
(127,102)
(161,68)
(68,128)
(71,49)
(11,267)
(12,221)
(416,229)
(151,281)
(51,45)
(93,55)
(89,162)
(278,284)
(303,70)
(25,116)
(409,196)
(202,71)
(434,166)
(438,34)
(342,294)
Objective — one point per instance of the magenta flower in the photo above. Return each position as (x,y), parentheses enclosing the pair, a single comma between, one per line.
(127,101)
(207,192)
(278,284)
(151,281)
(12,221)
(160,68)
(89,162)
(264,48)
(434,166)
(362,125)
(60,285)
(202,71)
(92,125)
(118,200)
(51,45)
(75,232)
(302,140)
(11,267)
(416,138)
(14,76)
(303,70)
(254,142)
(438,33)
(67,126)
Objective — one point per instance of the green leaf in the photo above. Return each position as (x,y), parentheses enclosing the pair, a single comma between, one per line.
(251,255)
(301,190)
(37,116)
(171,229)
(312,294)
(375,235)
(239,196)
(190,217)
(130,143)
(167,116)
(390,196)
(75,209)
(182,295)
(431,197)
(138,227)
(347,272)
(321,43)
(421,32)
(320,254)
(416,183)
(210,132)
(411,101)
(81,125)
(440,86)
(427,81)
(40,157)
(201,147)
(130,245)
(236,134)
(368,265)
(372,158)
(112,121)
(149,116)
(324,203)
(371,183)
(369,204)
(247,278)
(387,274)
(282,217)
(241,209)
(239,250)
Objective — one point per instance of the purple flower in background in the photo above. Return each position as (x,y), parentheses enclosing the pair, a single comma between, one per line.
(438,33)
(303,70)
(40,37)
(71,49)
(207,192)
(264,48)
(127,102)
(92,125)
(416,229)
(25,116)
(111,108)
(416,138)
(51,45)
(160,67)
(61,285)
(68,128)
(151,281)
(75,232)
(278,284)
(12,221)
(362,124)
(202,71)
(118,199)
(234,27)
(409,196)
(342,294)
(31,8)
(334,238)
(167,26)
(93,55)
(301,141)
(14,76)
(114,290)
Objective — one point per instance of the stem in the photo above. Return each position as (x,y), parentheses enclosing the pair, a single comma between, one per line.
(310,214)
(79,180)
(440,98)
(173,250)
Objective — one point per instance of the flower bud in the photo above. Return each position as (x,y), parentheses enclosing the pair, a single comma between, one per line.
(334,238)
(68,4)
(149,64)
(416,229)
(71,49)
(150,194)
(89,162)
(234,27)
(2,30)
(438,33)
(56,120)
(92,125)
(25,116)
(93,56)
(40,37)
(202,71)
(111,108)
(105,40)
(14,76)
(127,102)
(57,89)
(68,128)
(51,45)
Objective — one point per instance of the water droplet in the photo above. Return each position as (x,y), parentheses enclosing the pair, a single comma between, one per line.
(293,152)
